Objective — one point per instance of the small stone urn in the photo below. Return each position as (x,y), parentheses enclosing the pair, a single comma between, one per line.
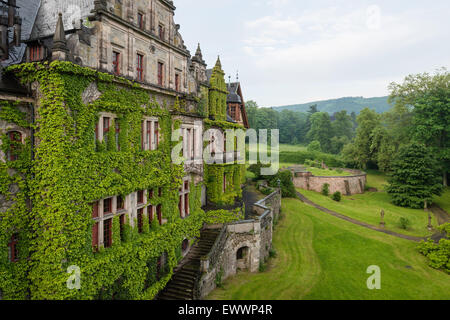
(382,223)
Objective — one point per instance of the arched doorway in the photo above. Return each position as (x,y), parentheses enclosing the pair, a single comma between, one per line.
(243,258)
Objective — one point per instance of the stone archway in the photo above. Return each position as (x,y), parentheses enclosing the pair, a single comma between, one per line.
(243,258)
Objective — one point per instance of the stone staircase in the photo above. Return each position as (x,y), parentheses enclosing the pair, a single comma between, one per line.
(182,284)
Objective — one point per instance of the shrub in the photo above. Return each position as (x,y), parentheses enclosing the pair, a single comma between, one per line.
(404,223)
(314,147)
(262,266)
(286,183)
(326,189)
(337,196)
(219,281)
(438,254)
(272,253)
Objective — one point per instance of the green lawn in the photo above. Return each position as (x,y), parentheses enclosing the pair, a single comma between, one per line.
(328,173)
(367,207)
(323,257)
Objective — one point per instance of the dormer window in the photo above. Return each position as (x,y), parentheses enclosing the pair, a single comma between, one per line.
(36,53)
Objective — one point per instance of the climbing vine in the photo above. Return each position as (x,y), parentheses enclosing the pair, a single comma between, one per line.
(83,171)
(52,212)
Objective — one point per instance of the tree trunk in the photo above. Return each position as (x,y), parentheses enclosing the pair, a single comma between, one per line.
(445,181)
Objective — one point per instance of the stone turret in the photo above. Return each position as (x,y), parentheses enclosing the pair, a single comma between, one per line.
(59,51)
(199,56)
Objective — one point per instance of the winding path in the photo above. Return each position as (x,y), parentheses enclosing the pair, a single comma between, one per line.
(436,237)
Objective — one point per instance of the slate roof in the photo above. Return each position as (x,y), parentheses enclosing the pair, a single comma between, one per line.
(72,10)
(27,10)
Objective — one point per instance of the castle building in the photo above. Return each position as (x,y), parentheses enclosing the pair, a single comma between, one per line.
(95,96)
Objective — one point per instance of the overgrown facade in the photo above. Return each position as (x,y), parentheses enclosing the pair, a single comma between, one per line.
(89,187)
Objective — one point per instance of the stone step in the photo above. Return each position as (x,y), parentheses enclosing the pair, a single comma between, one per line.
(177,287)
(181,277)
(173,296)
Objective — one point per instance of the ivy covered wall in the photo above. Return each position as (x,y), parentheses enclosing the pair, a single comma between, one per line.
(84,171)
(15,215)
(218,93)
(53,194)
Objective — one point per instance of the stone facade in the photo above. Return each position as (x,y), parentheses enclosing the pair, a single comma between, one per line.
(346,185)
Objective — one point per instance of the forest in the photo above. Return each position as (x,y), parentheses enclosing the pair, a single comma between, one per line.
(415,130)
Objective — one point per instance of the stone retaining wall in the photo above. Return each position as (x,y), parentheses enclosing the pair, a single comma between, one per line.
(347,185)
(253,236)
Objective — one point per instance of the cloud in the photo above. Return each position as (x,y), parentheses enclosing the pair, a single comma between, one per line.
(343,48)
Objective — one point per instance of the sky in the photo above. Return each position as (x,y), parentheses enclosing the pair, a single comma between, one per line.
(299,51)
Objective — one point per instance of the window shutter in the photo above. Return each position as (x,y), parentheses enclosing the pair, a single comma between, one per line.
(95,210)
(95,236)
(186,204)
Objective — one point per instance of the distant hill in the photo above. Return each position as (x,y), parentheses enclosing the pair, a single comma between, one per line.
(356,104)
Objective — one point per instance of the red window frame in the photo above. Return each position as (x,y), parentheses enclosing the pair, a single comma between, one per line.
(150,207)
(140,197)
(107,206)
(159,213)
(140,220)
(116,62)
(148,136)
(96,132)
(177,82)
(14,137)
(140,20)
(95,210)
(35,53)
(107,233)
(106,124)
(140,67)
(13,248)
(120,203)
(156,134)
(186,205)
(95,236)
(180,206)
(160,74)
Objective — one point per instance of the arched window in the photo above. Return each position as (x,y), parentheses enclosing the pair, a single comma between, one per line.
(16,138)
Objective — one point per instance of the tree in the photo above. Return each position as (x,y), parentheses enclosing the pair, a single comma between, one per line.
(321,129)
(361,151)
(415,177)
(314,146)
(427,97)
(342,125)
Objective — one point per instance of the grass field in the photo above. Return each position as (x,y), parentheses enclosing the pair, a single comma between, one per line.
(367,207)
(322,257)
